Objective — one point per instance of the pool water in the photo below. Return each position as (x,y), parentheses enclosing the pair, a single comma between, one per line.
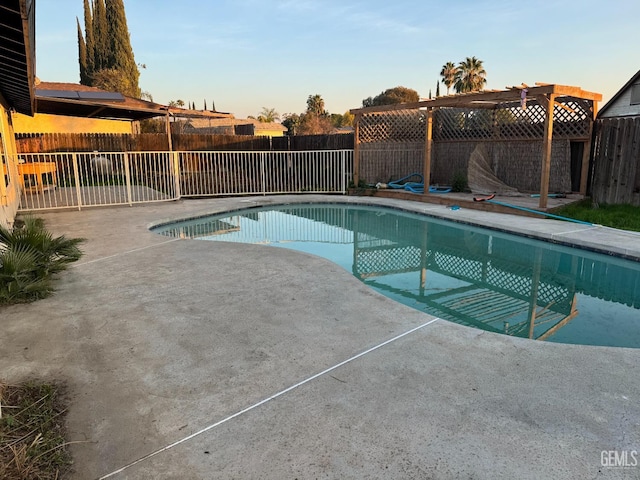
(472,276)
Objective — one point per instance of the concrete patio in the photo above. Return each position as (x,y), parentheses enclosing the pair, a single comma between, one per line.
(202,360)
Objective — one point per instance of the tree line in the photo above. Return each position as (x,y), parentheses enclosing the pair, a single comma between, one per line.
(315,120)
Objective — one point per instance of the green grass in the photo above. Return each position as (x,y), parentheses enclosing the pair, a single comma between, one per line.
(625,217)
(32,433)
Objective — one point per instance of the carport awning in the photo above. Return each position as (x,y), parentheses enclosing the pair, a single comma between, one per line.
(17,54)
(83,108)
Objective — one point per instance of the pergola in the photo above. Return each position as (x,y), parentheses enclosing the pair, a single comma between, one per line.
(532,113)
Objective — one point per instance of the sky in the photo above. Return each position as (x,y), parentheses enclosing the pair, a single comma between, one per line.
(246,55)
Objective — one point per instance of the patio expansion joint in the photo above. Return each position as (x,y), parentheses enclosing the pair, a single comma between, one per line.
(268,399)
(127,252)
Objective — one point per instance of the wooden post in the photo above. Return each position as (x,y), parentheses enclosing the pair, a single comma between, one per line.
(168,123)
(586,154)
(356,150)
(428,150)
(535,284)
(424,255)
(546,151)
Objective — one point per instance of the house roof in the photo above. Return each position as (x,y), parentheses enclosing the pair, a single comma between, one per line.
(73,99)
(232,122)
(632,80)
(17,54)
(206,114)
(267,126)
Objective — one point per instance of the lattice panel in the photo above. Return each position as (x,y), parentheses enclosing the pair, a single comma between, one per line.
(573,120)
(509,281)
(459,266)
(388,260)
(395,126)
(557,296)
(462,124)
(508,121)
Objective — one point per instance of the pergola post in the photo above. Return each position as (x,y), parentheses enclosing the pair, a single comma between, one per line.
(168,126)
(356,150)
(546,151)
(586,154)
(428,148)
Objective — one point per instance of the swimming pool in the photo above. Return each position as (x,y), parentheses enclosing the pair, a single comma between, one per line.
(472,276)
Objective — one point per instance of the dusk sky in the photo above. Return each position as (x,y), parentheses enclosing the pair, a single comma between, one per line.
(249,54)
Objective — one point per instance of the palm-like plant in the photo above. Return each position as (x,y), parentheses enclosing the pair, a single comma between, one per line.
(315,105)
(471,76)
(268,115)
(448,74)
(29,257)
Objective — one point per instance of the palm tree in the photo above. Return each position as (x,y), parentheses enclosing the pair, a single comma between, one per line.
(268,115)
(471,76)
(315,105)
(448,74)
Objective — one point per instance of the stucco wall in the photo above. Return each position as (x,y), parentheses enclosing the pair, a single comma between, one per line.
(45,123)
(9,186)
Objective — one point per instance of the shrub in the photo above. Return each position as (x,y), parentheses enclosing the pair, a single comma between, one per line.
(459,182)
(29,257)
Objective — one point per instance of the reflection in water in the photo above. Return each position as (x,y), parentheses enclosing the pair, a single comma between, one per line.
(472,276)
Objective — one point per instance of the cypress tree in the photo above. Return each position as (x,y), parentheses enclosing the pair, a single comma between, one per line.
(205,104)
(89,42)
(82,56)
(100,36)
(120,55)
(437,89)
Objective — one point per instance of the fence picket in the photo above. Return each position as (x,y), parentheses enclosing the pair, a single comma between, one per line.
(616,161)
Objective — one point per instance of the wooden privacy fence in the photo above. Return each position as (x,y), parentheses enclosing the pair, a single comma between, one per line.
(158,142)
(616,161)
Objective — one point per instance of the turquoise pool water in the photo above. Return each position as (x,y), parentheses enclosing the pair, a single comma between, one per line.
(477,277)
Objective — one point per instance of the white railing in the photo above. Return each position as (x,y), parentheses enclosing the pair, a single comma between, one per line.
(261,173)
(77,180)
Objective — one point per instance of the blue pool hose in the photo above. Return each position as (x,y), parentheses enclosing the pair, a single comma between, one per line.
(582,222)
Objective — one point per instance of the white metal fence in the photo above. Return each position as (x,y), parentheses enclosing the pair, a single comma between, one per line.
(77,180)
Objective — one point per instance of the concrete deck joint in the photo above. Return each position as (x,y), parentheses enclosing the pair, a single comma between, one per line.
(272,397)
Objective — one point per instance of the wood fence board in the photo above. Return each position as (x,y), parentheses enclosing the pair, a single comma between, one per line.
(616,161)
(105,142)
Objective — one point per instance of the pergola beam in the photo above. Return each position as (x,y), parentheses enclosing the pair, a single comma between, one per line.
(486,98)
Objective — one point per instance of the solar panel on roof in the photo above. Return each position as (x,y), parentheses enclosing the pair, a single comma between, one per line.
(81,95)
(106,96)
(70,94)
